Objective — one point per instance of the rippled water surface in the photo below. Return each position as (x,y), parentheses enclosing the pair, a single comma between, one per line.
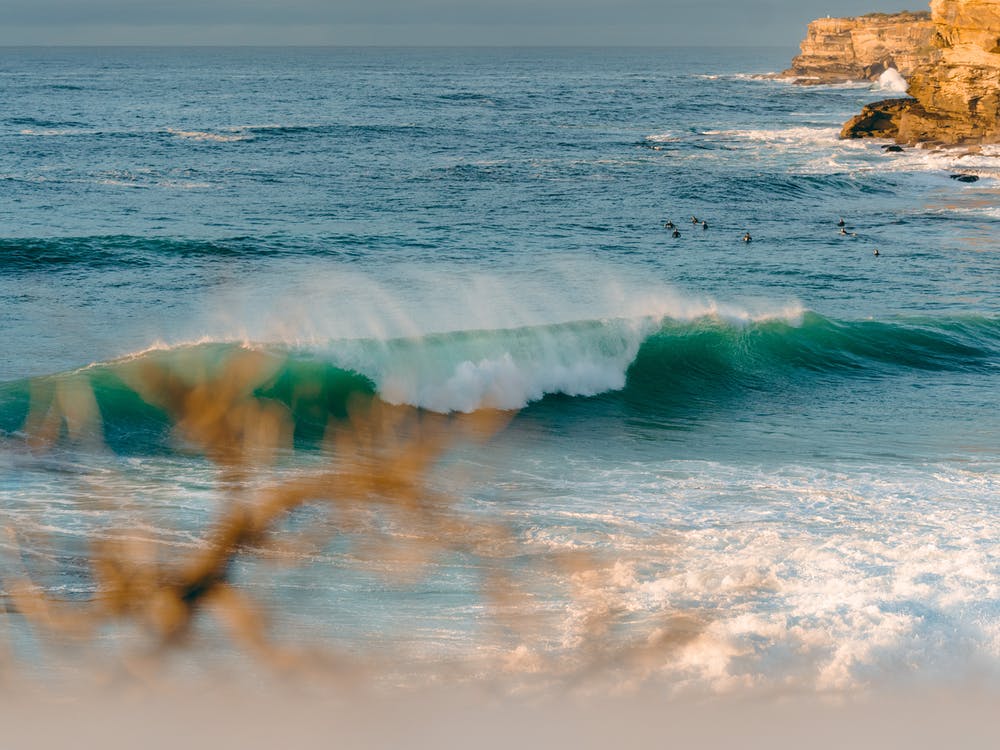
(792,437)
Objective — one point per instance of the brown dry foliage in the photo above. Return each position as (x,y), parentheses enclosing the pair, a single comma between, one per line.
(380,460)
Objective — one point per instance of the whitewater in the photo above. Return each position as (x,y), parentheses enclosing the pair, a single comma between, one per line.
(792,443)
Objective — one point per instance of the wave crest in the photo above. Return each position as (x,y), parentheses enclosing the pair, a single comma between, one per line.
(648,360)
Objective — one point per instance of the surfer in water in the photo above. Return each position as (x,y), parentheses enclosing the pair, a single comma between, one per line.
(841,223)
(747,237)
(704,224)
(676,233)
(877,252)
(694,219)
(669,225)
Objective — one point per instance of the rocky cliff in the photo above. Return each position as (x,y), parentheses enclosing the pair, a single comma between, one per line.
(838,50)
(956,95)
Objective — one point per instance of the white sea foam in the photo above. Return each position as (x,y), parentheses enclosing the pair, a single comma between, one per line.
(175,179)
(223,135)
(506,369)
(827,580)
(227,136)
(803,137)
(112,182)
(984,164)
(663,138)
(825,152)
(771,76)
(183,184)
(55,132)
(831,154)
(892,80)
(992,212)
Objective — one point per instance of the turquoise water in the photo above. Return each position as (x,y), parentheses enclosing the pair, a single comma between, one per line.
(815,430)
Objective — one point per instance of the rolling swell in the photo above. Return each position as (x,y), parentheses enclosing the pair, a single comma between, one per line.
(46,254)
(116,251)
(311,389)
(821,345)
(708,360)
(110,252)
(642,360)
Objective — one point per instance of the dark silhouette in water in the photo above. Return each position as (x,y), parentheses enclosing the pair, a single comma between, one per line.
(694,219)
(747,237)
(843,230)
(704,225)
(676,233)
(841,223)
(876,252)
(669,225)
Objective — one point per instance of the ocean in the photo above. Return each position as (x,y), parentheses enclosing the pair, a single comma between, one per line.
(786,450)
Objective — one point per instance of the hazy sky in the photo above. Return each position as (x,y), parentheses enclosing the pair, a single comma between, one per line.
(421,22)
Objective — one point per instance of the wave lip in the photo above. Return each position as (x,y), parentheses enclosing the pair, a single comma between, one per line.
(507,369)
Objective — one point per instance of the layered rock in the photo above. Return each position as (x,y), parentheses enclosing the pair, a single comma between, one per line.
(956,97)
(877,120)
(839,50)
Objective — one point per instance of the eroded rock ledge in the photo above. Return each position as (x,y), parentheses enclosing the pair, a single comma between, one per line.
(841,50)
(956,93)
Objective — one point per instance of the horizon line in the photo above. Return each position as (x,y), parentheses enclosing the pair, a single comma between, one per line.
(209,45)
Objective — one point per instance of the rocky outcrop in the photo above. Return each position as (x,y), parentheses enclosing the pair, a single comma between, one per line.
(877,120)
(839,50)
(956,96)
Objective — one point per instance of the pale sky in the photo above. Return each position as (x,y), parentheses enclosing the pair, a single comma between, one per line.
(422,22)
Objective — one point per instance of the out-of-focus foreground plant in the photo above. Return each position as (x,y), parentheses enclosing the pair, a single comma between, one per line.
(373,470)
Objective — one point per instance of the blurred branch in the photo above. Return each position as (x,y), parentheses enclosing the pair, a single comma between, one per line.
(381,459)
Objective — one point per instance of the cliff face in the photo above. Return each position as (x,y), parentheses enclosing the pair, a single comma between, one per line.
(957,95)
(837,50)
(960,96)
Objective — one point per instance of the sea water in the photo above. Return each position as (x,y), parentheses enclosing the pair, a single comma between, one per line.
(793,439)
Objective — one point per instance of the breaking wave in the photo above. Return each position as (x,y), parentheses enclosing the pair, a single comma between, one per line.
(645,359)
